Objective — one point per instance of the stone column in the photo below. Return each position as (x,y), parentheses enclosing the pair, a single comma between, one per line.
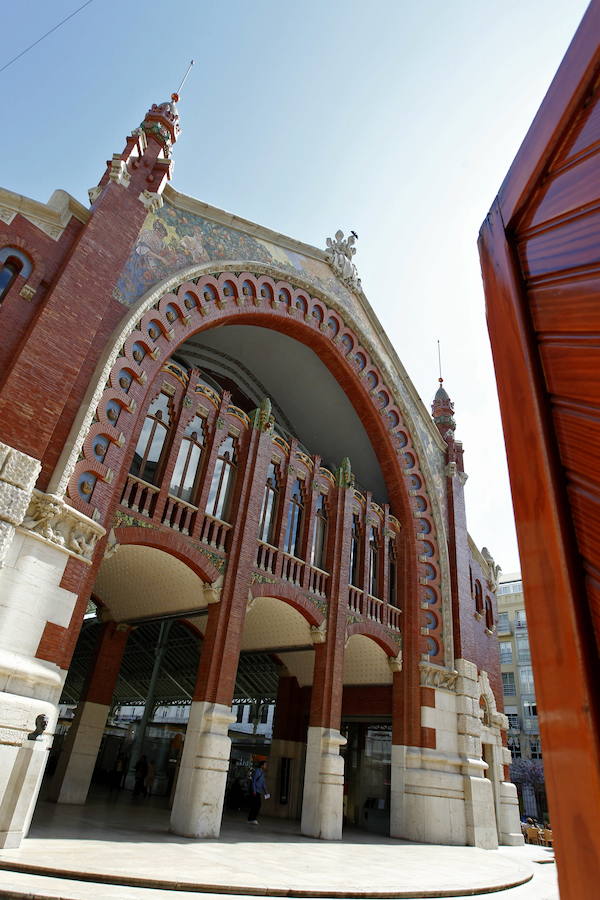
(71,781)
(479,797)
(322,807)
(200,791)
(39,535)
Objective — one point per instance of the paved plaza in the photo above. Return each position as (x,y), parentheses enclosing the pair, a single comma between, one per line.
(121,848)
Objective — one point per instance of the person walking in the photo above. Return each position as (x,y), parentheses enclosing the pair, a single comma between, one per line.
(259,789)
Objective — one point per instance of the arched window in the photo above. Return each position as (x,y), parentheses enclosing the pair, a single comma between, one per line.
(221,488)
(489,614)
(268,513)
(187,466)
(392,574)
(318,555)
(373,562)
(12,264)
(355,551)
(293,528)
(150,450)
(478,596)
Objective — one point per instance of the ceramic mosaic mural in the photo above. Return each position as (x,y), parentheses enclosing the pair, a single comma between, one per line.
(173,239)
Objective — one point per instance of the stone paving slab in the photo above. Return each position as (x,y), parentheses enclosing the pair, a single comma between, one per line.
(129,846)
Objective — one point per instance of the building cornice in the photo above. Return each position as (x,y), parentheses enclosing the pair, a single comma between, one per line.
(51,217)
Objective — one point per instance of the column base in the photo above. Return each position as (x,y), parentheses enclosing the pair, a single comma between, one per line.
(510,821)
(322,806)
(22,763)
(200,792)
(73,776)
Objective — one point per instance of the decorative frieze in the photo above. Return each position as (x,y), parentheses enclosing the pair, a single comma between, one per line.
(437,676)
(48,517)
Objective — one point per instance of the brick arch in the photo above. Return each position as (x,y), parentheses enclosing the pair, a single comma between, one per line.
(287,593)
(203,298)
(377,633)
(173,544)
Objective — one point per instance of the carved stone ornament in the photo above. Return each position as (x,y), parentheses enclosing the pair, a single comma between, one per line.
(212,592)
(263,418)
(493,568)
(118,172)
(27,292)
(94,193)
(151,201)
(41,723)
(343,475)
(18,474)
(395,662)
(339,253)
(50,518)
(437,676)
(318,633)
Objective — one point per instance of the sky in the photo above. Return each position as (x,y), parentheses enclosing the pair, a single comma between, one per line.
(395,118)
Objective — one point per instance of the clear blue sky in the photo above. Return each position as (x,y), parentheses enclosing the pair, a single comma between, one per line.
(396,118)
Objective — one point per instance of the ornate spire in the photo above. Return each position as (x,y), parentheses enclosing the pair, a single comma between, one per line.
(442,410)
(162,119)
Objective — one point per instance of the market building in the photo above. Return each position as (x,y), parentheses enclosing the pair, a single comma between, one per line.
(208,437)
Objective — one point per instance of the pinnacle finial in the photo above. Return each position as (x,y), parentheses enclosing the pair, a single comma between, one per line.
(176,94)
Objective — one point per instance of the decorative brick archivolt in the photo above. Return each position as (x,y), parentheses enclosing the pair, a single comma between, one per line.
(210,295)
(174,544)
(391,643)
(294,597)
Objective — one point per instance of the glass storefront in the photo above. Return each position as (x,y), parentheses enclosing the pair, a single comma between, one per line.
(367,775)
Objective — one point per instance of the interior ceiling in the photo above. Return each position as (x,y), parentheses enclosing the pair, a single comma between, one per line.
(307,400)
(136,582)
(257,676)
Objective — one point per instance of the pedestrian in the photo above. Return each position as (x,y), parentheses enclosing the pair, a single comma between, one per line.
(149,781)
(141,770)
(259,789)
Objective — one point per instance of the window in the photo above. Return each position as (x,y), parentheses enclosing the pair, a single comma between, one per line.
(264,714)
(293,528)
(185,473)
(513,721)
(520,619)
(514,745)
(510,587)
(526,679)
(478,597)
(319,547)
(268,512)
(535,748)
(489,613)
(523,654)
(355,551)
(240,712)
(530,709)
(221,486)
(508,684)
(373,562)
(506,652)
(392,574)
(149,451)
(503,626)
(12,264)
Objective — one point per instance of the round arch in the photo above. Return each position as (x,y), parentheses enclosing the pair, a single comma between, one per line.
(378,634)
(287,593)
(171,543)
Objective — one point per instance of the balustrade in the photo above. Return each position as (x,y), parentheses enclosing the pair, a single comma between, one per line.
(266,557)
(317,581)
(179,515)
(139,496)
(292,569)
(373,608)
(214,532)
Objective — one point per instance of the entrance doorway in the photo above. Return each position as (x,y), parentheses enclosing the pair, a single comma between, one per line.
(367,774)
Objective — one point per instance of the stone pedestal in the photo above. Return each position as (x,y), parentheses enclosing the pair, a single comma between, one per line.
(322,806)
(200,792)
(22,764)
(510,824)
(71,781)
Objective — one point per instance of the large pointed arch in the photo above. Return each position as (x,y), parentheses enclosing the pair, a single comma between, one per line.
(255,294)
